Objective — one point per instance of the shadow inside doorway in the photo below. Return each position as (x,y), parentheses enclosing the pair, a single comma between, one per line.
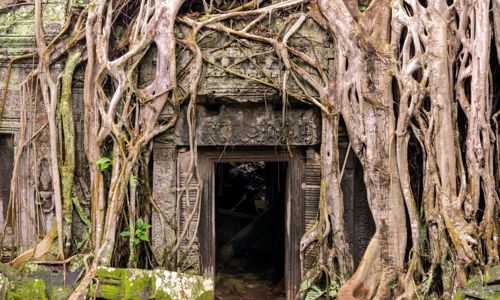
(250,230)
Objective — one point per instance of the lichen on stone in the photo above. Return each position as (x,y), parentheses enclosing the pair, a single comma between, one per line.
(116,283)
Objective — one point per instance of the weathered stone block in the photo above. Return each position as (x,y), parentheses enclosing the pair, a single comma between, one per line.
(251,125)
(115,283)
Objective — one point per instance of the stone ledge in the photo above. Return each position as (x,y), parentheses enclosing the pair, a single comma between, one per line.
(117,283)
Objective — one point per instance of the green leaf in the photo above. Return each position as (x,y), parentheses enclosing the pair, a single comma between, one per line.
(314,293)
(141,231)
(487,277)
(305,285)
(103,163)
(334,289)
(133,181)
(458,295)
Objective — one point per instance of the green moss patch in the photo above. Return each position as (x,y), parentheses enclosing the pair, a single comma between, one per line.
(116,283)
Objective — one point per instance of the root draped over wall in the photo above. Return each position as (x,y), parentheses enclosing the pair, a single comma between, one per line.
(410,77)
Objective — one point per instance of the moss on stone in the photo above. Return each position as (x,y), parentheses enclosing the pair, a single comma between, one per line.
(76,263)
(492,275)
(59,293)
(115,283)
(34,289)
(15,286)
(17,27)
(161,295)
(4,284)
(483,285)
(34,269)
(35,281)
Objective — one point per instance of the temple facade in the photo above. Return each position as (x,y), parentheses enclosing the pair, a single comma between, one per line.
(258,155)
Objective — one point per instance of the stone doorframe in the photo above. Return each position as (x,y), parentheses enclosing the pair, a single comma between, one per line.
(294,197)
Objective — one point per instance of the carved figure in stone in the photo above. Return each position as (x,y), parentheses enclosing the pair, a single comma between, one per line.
(45,191)
(306,131)
(216,132)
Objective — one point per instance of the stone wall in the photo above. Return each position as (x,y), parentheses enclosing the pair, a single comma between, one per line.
(33,213)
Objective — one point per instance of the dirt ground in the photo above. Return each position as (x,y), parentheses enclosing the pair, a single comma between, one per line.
(257,282)
(247,286)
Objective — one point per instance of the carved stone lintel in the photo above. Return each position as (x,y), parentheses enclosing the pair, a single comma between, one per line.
(252,125)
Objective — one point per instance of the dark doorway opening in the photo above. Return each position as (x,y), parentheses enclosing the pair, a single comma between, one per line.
(6,169)
(250,204)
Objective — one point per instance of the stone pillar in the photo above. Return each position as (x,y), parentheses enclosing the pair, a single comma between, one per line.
(164,194)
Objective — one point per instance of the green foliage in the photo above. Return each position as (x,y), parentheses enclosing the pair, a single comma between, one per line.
(334,289)
(458,295)
(363,4)
(487,277)
(133,181)
(310,291)
(103,163)
(141,231)
(313,293)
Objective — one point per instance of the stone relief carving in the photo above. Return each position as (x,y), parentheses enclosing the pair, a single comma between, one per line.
(45,201)
(164,189)
(270,132)
(45,186)
(17,26)
(252,125)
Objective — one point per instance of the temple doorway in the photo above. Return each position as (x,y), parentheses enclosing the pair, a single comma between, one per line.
(250,229)
(6,169)
(252,220)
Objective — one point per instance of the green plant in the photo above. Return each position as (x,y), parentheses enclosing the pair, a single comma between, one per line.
(103,163)
(133,181)
(141,231)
